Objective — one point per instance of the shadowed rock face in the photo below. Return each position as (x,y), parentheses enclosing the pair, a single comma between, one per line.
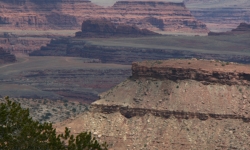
(104,28)
(6,57)
(173,104)
(69,14)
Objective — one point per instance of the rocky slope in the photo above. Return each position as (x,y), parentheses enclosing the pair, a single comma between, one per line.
(69,14)
(174,104)
(6,57)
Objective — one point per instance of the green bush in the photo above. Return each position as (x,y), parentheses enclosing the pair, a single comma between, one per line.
(18,131)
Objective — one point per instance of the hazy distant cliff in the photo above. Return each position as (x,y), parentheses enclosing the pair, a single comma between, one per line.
(69,14)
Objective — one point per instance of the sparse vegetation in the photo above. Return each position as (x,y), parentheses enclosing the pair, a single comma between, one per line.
(18,131)
(53,111)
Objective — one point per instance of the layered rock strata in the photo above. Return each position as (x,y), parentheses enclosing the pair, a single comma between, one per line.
(174,104)
(6,57)
(155,16)
(78,47)
(24,44)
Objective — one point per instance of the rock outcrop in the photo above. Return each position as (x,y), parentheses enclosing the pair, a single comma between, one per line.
(101,28)
(6,57)
(173,104)
(156,16)
(69,14)
(243,28)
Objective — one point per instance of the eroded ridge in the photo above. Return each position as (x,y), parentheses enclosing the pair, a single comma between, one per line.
(132,112)
(206,71)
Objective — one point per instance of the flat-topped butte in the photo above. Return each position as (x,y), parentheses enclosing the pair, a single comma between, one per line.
(206,71)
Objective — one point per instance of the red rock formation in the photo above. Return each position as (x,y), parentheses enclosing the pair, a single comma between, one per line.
(69,14)
(157,16)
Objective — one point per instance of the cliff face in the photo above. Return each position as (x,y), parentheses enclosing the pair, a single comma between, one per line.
(6,57)
(69,14)
(156,16)
(36,14)
(174,104)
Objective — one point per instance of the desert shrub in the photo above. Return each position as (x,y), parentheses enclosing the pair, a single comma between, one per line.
(18,131)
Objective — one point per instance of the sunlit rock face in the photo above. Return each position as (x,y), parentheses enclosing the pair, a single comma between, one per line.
(173,104)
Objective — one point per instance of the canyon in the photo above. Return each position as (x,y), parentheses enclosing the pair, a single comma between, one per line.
(125,50)
(172,104)
(59,78)
(152,15)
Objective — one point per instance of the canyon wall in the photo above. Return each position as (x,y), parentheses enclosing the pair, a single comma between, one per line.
(69,14)
(173,105)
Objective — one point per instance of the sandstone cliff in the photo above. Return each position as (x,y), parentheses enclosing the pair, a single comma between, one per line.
(69,14)
(174,104)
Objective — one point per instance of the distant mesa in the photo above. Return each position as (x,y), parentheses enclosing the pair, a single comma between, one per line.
(6,57)
(69,14)
(100,28)
(243,28)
